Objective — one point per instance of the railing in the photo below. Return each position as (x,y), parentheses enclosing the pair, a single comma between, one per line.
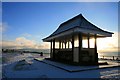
(63,55)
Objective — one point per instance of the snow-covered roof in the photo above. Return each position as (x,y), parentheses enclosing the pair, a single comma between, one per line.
(77,24)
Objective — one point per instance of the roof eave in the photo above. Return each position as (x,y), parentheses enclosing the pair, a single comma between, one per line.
(85,31)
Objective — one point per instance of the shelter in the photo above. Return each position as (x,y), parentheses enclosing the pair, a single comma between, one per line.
(67,41)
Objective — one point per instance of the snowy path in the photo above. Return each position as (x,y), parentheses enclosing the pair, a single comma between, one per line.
(41,70)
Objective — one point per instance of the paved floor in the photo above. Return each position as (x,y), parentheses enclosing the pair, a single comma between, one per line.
(71,68)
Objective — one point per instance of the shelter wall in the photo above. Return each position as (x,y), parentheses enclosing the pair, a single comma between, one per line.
(90,56)
(76,54)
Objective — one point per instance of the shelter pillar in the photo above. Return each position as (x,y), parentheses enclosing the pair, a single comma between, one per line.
(68,45)
(59,44)
(96,54)
(51,53)
(88,40)
(72,46)
(65,44)
(54,48)
(62,45)
(80,45)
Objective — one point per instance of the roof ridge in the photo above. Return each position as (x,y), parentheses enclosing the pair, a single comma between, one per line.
(70,19)
(81,16)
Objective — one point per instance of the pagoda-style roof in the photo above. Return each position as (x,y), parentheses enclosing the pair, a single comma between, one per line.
(75,25)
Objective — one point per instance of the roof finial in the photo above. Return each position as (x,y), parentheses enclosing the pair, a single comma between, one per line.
(80,14)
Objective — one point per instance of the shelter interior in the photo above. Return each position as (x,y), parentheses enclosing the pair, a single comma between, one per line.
(70,48)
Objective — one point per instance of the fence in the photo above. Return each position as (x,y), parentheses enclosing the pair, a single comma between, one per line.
(111,57)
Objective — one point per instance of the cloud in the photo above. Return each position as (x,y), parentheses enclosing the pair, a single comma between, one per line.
(109,44)
(44,45)
(0,27)
(26,35)
(23,43)
(3,27)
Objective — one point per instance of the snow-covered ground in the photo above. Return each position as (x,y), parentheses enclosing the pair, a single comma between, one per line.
(37,69)
(0,65)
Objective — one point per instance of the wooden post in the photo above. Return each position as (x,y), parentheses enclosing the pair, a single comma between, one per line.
(65,44)
(96,54)
(103,57)
(68,44)
(72,46)
(113,58)
(80,46)
(59,44)
(51,53)
(54,48)
(88,40)
(62,45)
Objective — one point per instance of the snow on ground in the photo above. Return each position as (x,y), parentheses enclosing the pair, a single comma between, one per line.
(0,65)
(53,72)
(36,69)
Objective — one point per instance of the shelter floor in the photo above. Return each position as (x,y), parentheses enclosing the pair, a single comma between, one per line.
(72,68)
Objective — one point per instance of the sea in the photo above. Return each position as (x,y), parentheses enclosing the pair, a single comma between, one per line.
(107,55)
